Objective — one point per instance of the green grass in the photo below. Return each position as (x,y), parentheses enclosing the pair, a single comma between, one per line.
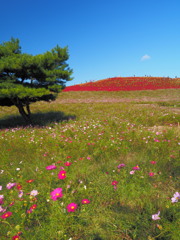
(95,131)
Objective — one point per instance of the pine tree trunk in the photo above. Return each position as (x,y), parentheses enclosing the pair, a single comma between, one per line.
(17,102)
(25,115)
(28,110)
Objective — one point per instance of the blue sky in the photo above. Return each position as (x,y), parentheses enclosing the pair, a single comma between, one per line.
(106,38)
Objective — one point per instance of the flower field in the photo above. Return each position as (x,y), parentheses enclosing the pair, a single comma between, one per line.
(127,84)
(92,168)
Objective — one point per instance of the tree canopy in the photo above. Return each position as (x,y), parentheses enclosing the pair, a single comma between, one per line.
(25,78)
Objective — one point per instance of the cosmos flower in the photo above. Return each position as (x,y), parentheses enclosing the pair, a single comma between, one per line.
(34,193)
(121,165)
(16,237)
(2,209)
(151,174)
(153,162)
(34,206)
(156,216)
(85,201)
(56,193)
(175,197)
(136,167)
(10,185)
(6,215)
(72,207)
(1,199)
(114,183)
(132,172)
(62,174)
(20,194)
(51,167)
(67,164)
(19,186)
(30,181)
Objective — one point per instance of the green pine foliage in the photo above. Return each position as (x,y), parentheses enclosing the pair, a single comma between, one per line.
(25,78)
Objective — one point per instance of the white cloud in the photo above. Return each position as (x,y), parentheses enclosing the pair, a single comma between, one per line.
(145,57)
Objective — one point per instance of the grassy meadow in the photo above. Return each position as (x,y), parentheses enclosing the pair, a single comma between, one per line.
(95,166)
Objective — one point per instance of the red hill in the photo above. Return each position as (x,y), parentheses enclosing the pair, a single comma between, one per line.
(127,84)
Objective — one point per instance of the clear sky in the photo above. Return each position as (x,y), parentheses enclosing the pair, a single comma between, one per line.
(106,38)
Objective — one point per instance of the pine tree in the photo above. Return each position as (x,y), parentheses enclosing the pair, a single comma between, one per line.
(25,78)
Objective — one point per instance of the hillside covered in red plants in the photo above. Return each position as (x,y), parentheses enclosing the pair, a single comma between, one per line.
(127,84)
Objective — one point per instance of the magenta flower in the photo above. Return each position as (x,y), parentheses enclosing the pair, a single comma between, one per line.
(51,167)
(121,165)
(85,201)
(6,215)
(72,207)
(114,183)
(34,206)
(175,197)
(56,193)
(67,164)
(136,167)
(156,216)
(62,174)
(151,174)
(153,162)
(10,185)
(16,237)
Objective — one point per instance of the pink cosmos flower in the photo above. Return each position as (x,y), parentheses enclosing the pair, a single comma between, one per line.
(175,197)
(19,186)
(10,185)
(67,164)
(16,237)
(11,204)
(136,167)
(156,216)
(151,174)
(132,172)
(34,206)
(34,193)
(121,165)
(1,199)
(6,215)
(72,207)
(29,211)
(51,167)
(62,174)
(114,183)
(153,162)
(85,201)
(56,193)
(2,209)
(20,194)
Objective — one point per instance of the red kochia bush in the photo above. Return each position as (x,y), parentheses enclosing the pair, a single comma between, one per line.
(127,84)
